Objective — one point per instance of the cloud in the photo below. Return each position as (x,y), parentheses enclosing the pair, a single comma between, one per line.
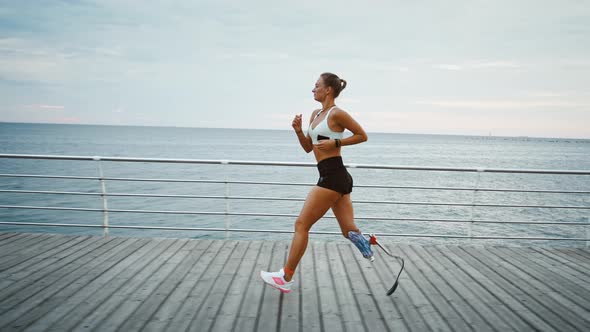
(448,67)
(502,104)
(45,107)
(549,94)
(476,123)
(70,120)
(479,64)
(264,56)
(575,63)
(345,100)
(52,107)
(386,67)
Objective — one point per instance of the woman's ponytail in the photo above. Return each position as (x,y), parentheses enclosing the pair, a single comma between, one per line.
(334,82)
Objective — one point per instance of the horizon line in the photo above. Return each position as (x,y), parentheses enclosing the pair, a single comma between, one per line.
(236,128)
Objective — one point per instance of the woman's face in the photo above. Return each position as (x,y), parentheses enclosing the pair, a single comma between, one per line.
(320,91)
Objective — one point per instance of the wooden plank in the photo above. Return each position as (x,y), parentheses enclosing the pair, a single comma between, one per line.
(291,303)
(137,289)
(309,293)
(22,242)
(451,316)
(494,296)
(582,250)
(329,310)
(474,299)
(18,237)
(349,309)
(7,235)
(69,299)
(247,316)
(172,304)
(21,250)
(30,284)
(419,298)
(582,255)
(390,317)
(554,265)
(52,296)
(39,268)
(459,313)
(38,254)
(269,314)
(552,304)
(233,301)
(7,238)
(373,307)
(108,314)
(550,277)
(386,272)
(211,304)
(24,251)
(183,262)
(185,314)
(435,313)
(566,265)
(575,257)
(127,263)
(512,295)
(33,301)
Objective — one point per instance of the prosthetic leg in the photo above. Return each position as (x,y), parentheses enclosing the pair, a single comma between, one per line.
(373,241)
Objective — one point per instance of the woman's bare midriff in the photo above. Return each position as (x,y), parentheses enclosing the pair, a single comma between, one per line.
(321,155)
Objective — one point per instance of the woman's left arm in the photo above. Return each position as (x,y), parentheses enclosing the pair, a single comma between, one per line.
(346,121)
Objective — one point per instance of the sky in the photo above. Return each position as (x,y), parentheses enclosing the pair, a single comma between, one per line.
(465,67)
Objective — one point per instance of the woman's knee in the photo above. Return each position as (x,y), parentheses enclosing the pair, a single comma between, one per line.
(301,226)
(345,231)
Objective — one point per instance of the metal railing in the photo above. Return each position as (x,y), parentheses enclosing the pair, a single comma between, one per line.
(105,210)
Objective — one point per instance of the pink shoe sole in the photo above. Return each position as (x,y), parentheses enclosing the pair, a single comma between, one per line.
(282,290)
(275,287)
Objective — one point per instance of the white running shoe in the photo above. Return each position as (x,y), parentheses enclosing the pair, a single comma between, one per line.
(277,280)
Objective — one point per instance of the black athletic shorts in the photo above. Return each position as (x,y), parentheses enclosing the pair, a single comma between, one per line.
(334,176)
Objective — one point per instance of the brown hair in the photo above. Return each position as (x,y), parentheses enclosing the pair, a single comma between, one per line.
(336,83)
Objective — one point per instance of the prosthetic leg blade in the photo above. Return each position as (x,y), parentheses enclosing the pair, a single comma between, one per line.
(389,292)
(373,241)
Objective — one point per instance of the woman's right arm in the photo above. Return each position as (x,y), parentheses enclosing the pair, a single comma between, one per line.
(304,140)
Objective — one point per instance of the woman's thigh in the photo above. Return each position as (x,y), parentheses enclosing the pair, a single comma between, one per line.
(318,202)
(344,213)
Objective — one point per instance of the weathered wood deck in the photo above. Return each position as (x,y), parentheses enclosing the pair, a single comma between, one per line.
(60,283)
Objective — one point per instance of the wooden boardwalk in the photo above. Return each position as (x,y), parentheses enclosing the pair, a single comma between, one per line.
(60,283)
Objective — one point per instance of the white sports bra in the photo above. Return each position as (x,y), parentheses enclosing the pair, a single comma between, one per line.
(322,130)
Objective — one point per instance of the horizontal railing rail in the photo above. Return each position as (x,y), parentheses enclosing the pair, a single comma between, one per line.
(67,177)
(287,215)
(473,205)
(262,198)
(254,230)
(298,164)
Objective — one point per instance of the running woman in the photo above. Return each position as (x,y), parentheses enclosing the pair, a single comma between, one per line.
(325,138)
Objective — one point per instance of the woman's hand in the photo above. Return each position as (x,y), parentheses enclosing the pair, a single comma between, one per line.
(297,123)
(326,144)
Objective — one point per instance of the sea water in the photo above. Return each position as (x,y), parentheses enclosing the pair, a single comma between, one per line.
(282,145)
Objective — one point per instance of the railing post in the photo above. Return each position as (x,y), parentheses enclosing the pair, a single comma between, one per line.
(586,200)
(587,232)
(105,209)
(227,223)
(475,189)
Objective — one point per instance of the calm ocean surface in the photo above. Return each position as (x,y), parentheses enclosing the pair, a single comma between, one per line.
(275,145)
